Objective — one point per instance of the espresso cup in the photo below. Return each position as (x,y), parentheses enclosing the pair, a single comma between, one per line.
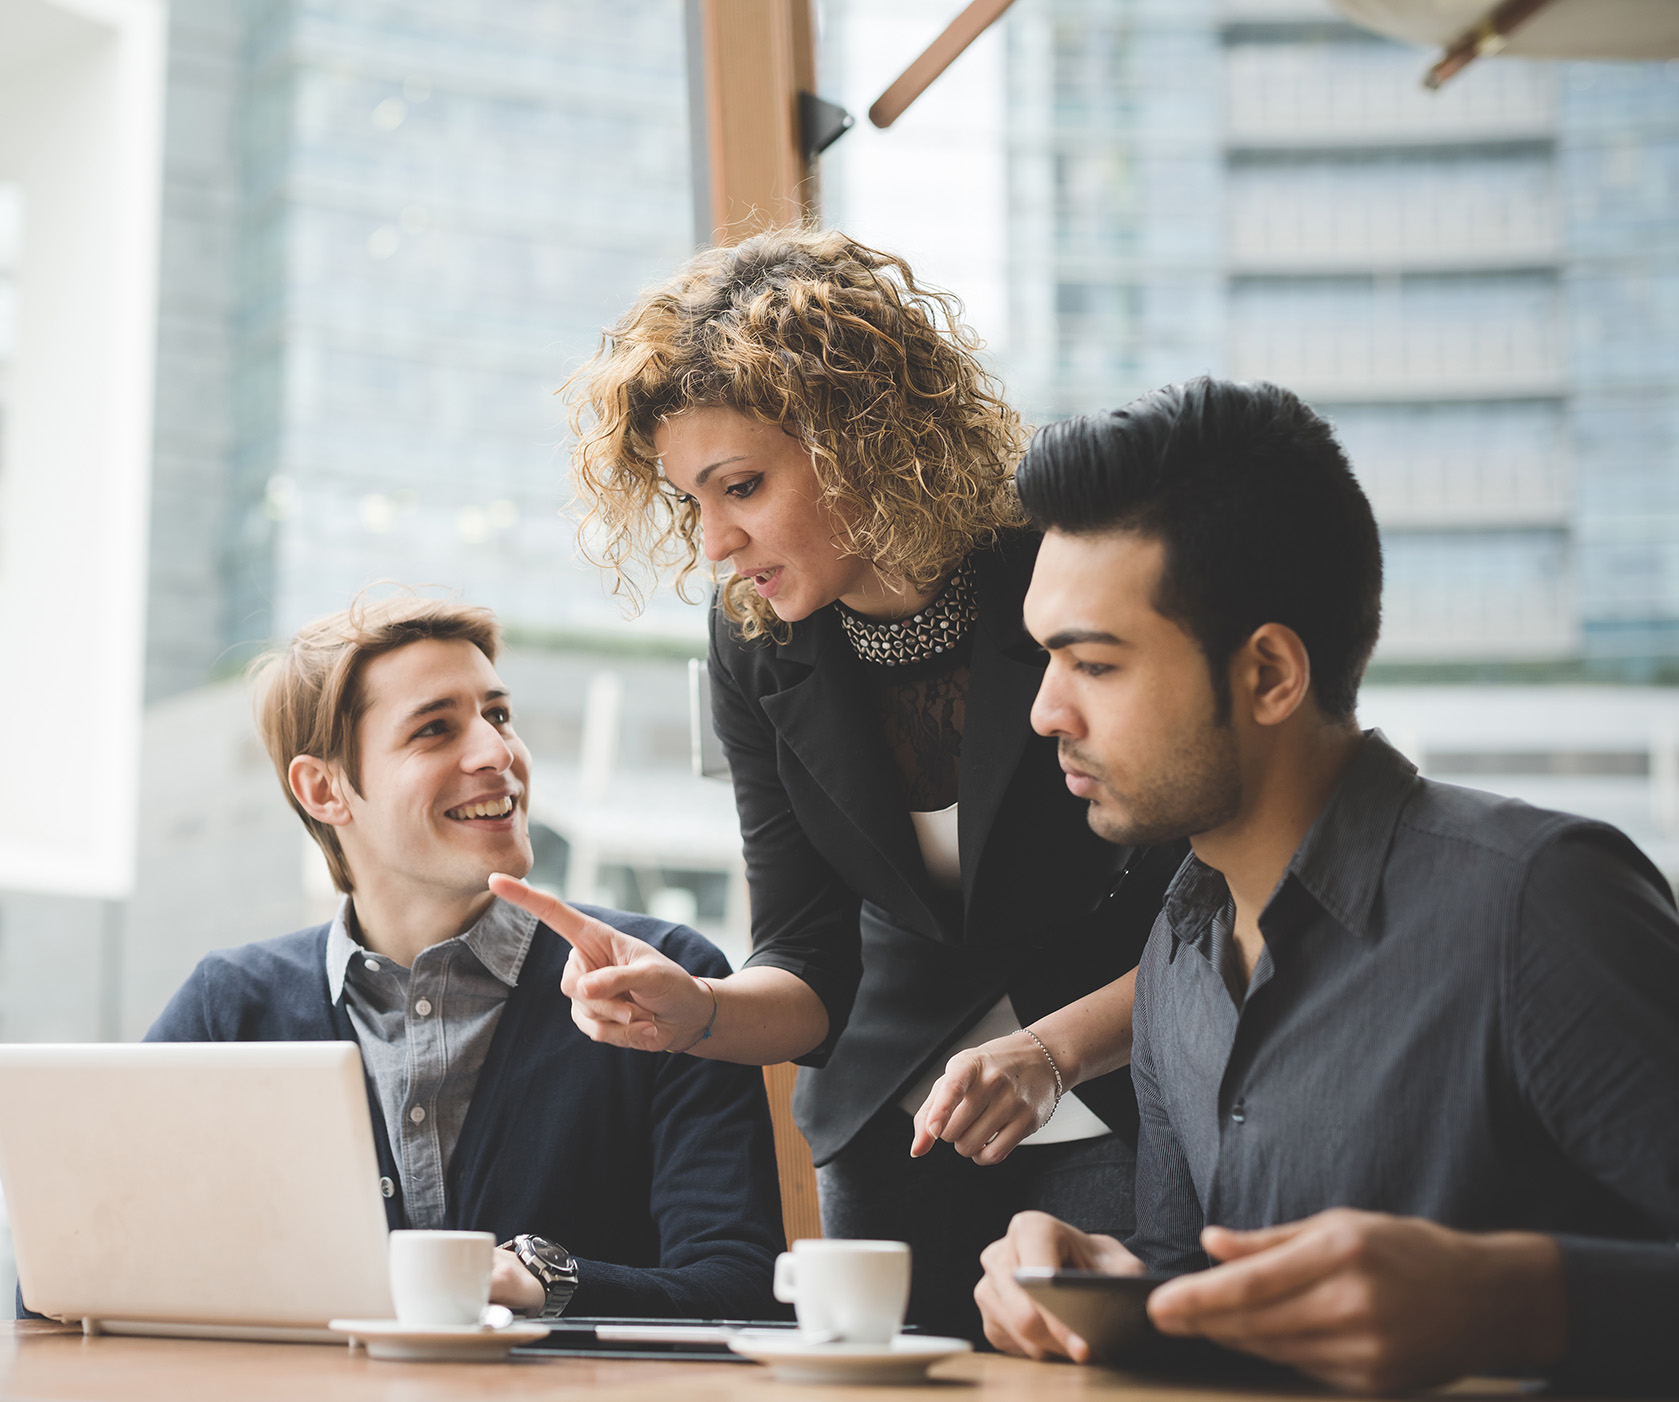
(441,1278)
(852,1292)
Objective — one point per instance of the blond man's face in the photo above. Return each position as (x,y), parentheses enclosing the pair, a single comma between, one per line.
(445,780)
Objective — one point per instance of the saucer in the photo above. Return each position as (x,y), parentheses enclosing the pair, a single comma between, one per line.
(905,1360)
(436,1343)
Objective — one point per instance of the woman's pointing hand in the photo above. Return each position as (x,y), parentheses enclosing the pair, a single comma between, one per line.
(622,990)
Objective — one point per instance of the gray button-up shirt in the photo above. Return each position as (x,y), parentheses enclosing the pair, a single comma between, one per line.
(1466,1009)
(424,1034)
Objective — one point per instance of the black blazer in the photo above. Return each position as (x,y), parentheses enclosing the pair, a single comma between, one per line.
(1048,911)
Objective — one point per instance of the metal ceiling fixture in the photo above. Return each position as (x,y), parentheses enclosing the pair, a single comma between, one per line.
(1469,29)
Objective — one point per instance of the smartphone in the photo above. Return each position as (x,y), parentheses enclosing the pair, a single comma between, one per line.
(1109,1312)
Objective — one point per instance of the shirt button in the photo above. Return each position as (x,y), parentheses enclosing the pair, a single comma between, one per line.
(423,1006)
(1238,1114)
(372,964)
(418,1114)
(387,1189)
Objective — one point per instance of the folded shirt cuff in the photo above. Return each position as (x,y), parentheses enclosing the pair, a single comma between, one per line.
(836,997)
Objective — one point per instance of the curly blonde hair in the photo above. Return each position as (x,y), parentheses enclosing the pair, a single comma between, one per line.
(839,346)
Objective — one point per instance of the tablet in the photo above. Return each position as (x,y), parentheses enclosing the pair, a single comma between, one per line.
(1109,1312)
(687,1340)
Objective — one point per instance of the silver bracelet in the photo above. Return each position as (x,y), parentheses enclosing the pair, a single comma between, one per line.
(1060,1090)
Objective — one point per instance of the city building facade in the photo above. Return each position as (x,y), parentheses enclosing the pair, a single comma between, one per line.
(390,234)
(1479,285)
(387,235)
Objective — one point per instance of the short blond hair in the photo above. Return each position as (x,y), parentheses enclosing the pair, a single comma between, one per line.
(839,346)
(309,697)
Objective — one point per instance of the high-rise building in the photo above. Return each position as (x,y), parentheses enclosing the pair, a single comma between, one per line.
(387,235)
(1618,168)
(1477,285)
(390,233)
(1480,286)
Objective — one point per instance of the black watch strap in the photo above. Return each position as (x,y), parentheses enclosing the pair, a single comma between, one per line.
(553,1266)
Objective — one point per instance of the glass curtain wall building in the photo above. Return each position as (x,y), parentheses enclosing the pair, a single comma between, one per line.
(387,235)
(422,219)
(1618,168)
(1480,286)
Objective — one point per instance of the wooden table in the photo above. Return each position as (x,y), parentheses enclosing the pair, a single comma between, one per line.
(40,1361)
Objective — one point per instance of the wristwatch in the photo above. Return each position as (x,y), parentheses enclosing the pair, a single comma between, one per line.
(554,1267)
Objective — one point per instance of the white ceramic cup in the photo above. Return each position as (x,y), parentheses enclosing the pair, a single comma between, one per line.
(441,1278)
(852,1292)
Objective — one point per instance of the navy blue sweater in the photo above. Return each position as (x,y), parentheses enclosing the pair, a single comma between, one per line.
(656,1171)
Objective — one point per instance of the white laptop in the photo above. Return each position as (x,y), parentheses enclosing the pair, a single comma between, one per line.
(217,1190)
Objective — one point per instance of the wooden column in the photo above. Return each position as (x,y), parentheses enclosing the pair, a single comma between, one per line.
(748,61)
(801,1214)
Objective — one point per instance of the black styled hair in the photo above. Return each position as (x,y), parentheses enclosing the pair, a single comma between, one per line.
(1259,512)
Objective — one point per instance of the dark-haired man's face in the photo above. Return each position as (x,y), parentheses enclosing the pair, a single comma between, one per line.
(1127,692)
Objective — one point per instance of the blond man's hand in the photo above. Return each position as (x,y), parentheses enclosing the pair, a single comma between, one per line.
(511,1284)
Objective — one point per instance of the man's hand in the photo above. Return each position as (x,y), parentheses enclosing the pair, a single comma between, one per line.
(514,1286)
(989,1099)
(1013,1323)
(622,990)
(1374,1303)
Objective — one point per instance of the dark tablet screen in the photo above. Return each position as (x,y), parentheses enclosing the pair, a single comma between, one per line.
(1107,1311)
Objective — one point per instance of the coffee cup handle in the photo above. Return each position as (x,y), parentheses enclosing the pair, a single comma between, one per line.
(785,1284)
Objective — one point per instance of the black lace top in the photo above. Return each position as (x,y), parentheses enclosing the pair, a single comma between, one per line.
(921,709)
(918,668)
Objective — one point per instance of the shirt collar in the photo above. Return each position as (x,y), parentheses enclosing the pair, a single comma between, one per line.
(499,940)
(1194,899)
(1340,861)
(341,947)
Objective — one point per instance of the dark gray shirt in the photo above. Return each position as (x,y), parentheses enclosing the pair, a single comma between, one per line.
(1467,1009)
(424,1034)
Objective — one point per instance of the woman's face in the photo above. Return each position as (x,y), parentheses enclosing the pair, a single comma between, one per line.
(761,509)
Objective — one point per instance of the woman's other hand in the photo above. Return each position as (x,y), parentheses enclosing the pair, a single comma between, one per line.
(989,1099)
(622,990)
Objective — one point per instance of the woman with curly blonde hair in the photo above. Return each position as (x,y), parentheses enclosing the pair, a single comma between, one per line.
(938,937)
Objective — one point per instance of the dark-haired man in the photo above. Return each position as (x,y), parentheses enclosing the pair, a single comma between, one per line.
(1407,1055)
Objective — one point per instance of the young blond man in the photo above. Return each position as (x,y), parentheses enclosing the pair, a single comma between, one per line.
(621,1182)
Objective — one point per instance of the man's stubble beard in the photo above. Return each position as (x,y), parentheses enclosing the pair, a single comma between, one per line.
(1197,789)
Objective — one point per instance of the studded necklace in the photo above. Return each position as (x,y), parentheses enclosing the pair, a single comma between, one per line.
(936,629)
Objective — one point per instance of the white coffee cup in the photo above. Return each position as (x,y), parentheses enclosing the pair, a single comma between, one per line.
(441,1278)
(852,1292)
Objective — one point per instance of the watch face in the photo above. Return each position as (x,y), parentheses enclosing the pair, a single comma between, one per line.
(555,1257)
